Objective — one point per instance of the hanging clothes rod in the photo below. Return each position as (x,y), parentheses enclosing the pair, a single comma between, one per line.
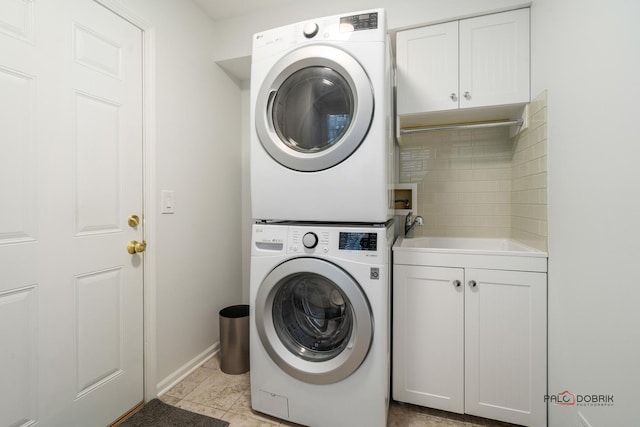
(405,131)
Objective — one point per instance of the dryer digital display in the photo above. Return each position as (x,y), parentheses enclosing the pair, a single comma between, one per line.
(350,241)
(364,21)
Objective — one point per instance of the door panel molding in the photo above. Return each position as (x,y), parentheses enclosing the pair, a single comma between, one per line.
(22,27)
(18,318)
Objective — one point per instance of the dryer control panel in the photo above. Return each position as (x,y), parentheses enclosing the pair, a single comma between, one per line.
(364,26)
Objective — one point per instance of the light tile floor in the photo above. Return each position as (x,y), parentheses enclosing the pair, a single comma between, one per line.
(210,391)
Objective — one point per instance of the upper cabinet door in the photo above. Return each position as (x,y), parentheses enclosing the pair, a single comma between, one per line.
(427,68)
(494,59)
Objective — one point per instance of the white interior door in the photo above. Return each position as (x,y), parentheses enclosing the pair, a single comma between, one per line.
(70,176)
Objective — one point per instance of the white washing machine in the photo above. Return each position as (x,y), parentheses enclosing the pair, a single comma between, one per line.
(319,329)
(321,132)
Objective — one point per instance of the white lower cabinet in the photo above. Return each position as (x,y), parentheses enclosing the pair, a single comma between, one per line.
(428,336)
(471,340)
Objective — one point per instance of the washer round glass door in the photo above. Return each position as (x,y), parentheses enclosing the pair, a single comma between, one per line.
(314,108)
(313,320)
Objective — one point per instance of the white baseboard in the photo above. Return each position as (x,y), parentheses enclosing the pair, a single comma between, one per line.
(186,369)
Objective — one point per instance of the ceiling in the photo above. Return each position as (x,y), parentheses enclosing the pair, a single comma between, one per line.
(223,9)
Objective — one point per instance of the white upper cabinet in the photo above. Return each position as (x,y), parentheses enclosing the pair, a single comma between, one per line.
(494,59)
(475,62)
(427,65)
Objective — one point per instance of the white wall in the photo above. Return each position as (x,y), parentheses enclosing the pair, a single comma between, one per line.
(586,54)
(198,156)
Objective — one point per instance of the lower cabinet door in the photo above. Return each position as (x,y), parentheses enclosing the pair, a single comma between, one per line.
(505,345)
(428,336)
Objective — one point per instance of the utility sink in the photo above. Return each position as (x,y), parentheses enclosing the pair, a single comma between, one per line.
(467,244)
(469,252)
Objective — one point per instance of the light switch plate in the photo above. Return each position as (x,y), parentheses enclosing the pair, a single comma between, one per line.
(167,201)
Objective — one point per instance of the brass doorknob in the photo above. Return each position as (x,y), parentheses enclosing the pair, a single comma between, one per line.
(136,247)
(133,220)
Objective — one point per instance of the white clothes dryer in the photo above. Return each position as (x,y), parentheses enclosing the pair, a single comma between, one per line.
(320,130)
(319,329)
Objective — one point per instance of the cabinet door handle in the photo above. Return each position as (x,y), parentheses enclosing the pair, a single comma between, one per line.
(453,97)
(467,96)
(457,283)
(472,283)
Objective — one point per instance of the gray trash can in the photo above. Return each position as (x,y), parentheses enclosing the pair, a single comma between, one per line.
(234,339)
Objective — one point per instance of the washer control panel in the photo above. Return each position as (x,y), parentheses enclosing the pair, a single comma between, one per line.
(341,241)
(349,242)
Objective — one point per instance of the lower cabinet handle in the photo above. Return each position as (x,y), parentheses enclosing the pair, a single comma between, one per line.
(472,283)
(457,283)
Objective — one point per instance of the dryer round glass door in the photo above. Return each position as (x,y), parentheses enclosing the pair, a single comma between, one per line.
(313,320)
(314,108)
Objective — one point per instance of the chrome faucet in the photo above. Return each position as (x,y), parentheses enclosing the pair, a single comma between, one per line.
(411,222)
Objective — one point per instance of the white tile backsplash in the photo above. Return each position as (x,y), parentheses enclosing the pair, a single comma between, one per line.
(481,182)
(464,181)
(529,177)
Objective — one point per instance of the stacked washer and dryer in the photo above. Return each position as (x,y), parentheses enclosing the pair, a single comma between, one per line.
(321,180)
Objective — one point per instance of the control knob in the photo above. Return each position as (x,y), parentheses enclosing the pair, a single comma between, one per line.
(310,240)
(310,30)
